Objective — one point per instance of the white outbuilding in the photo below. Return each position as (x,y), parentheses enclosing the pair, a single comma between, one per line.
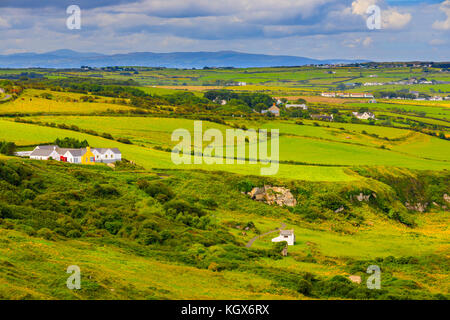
(286,235)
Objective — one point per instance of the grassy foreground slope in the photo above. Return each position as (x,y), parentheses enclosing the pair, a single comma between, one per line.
(181,235)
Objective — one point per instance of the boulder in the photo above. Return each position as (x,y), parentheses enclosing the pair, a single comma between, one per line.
(362,197)
(446,198)
(273,195)
(355,279)
(420,207)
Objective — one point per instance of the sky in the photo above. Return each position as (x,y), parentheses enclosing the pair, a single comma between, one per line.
(322,29)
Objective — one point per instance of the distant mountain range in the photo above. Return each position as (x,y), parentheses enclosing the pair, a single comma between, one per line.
(72,59)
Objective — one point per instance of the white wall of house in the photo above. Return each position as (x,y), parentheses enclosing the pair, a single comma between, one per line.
(289,239)
(71,158)
(108,156)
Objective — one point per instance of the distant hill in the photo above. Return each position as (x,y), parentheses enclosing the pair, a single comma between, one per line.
(72,59)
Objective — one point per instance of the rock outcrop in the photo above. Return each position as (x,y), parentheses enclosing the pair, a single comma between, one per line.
(355,279)
(446,198)
(420,207)
(273,195)
(363,197)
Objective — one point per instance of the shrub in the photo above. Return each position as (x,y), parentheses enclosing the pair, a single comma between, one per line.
(245,186)
(5,212)
(74,234)
(148,236)
(209,203)
(104,191)
(113,227)
(157,190)
(304,287)
(7,148)
(46,234)
(181,206)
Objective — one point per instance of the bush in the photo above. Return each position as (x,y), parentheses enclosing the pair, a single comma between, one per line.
(74,234)
(46,234)
(209,203)
(7,148)
(71,143)
(157,190)
(104,191)
(245,186)
(181,206)
(113,227)
(5,212)
(304,287)
(149,236)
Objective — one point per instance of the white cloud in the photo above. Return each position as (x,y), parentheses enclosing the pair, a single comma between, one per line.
(367,41)
(444,25)
(4,23)
(437,42)
(392,19)
(359,7)
(358,42)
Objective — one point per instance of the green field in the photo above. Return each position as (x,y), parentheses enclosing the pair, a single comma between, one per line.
(367,192)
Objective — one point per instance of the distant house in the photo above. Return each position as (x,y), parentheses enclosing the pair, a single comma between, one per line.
(286,235)
(322,117)
(86,155)
(357,95)
(273,109)
(302,106)
(364,115)
(328,94)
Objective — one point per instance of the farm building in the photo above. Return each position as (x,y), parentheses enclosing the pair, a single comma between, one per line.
(286,235)
(274,110)
(86,155)
(364,115)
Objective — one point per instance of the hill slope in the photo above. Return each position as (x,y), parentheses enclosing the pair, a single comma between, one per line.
(72,59)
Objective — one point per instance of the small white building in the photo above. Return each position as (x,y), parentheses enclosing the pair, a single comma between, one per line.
(286,235)
(364,116)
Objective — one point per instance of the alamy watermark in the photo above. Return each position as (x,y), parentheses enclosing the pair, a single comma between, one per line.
(374,281)
(73,22)
(237,141)
(373,22)
(74,280)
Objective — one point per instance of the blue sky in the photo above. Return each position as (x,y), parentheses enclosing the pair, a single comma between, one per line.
(410,29)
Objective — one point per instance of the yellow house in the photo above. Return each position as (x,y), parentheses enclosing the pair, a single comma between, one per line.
(88,157)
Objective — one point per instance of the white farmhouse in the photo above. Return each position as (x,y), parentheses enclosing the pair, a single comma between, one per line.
(364,116)
(71,155)
(285,235)
(107,155)
(45,153)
